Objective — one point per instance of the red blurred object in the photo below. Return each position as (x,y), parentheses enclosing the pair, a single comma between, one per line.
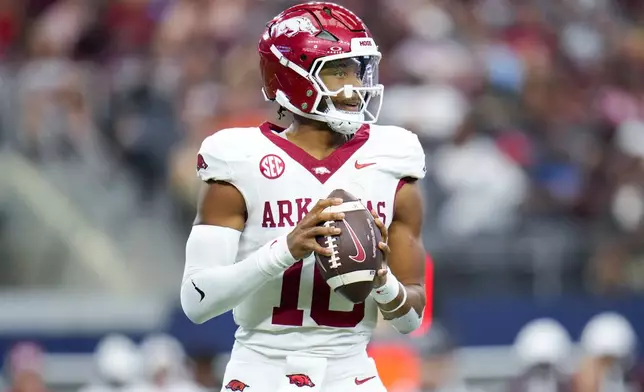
(26,356)
(25,363)
(130,23)
(9,29)
(398,365)
(516,146)
(429,291)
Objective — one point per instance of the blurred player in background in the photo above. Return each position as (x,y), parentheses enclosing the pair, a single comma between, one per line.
(543,346)
(118,365)
(251,247)
(164,365)
(609,343)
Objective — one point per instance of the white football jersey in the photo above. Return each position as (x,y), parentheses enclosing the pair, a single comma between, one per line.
(280,182)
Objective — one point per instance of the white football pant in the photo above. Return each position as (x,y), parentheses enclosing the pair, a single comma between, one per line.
(249,371)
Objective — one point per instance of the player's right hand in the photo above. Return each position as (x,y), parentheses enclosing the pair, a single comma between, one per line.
(301,241)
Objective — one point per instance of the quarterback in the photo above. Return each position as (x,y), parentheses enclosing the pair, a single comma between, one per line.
(252,245)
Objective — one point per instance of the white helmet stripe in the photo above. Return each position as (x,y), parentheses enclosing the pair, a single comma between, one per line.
(285,62)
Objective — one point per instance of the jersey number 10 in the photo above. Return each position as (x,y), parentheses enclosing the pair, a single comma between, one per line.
(288,313)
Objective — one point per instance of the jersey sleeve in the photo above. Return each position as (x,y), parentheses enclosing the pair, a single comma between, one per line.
(407,157)
(217,157)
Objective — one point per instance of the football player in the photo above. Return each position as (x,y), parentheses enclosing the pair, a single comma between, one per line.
(252,244)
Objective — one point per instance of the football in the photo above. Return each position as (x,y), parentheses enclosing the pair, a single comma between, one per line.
(351,268)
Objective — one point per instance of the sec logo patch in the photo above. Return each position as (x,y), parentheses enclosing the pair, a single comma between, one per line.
(271,166)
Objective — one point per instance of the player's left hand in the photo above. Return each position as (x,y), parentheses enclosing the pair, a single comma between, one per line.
(381,274)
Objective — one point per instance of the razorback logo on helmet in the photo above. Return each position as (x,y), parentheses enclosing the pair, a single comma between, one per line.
(236,385)
(201,163)
(300,380)
(293,26)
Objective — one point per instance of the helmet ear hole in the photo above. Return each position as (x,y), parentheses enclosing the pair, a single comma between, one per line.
(303,57)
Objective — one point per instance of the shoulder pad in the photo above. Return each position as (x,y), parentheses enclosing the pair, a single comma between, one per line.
(402,149)
(220,152)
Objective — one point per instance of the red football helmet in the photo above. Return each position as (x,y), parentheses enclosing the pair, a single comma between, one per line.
(298,43)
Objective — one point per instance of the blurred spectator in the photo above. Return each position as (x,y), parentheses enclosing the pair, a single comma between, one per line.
(131,26)
(55,103)
(485,189)
(25,367)
(10,25)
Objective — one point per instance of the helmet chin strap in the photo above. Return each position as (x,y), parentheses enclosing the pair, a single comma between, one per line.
(343,126)
(339,125)
(347,128)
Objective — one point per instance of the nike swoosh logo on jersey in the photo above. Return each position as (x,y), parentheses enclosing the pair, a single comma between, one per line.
(201,293)
(364,380)
(363,165)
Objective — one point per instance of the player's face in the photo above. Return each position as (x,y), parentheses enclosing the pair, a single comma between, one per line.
(339,73)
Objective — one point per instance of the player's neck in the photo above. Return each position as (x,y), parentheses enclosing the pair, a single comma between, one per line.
(315,140)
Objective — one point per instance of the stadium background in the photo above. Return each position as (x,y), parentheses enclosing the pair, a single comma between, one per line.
(531,114)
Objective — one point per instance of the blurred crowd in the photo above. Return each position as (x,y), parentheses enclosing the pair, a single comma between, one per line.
(531,112)
(604,360)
